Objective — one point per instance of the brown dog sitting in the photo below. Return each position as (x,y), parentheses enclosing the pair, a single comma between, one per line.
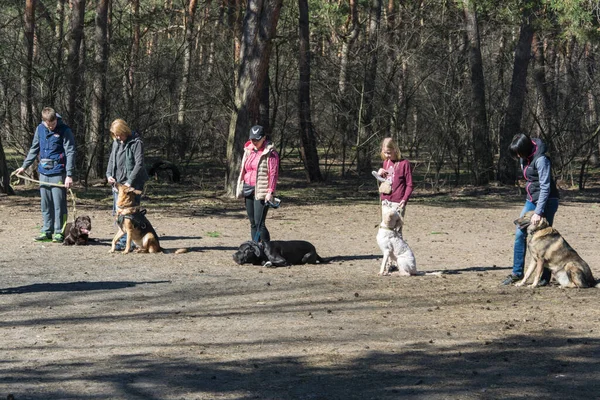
(78,231)
(133,222)
(548,248)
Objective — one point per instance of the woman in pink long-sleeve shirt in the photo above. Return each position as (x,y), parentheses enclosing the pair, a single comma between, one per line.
(397,171)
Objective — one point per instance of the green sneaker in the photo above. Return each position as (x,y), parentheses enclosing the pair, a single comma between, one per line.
(44,237)
(58,238)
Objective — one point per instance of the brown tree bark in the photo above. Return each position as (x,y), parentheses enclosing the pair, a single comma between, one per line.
(482,166)
(182,129)
(26,99)
(260,25)
(365,130)
(76,94)
(352,31)
(96,137)
(130,80)
(507,172)
(308,142)
(541,85)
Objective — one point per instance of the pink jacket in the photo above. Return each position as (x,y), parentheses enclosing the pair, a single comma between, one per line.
(260,168)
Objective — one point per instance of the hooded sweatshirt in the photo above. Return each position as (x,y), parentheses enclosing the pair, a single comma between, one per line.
(537,172)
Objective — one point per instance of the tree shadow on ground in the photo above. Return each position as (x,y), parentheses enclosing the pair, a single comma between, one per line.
(537,367)
(75,286)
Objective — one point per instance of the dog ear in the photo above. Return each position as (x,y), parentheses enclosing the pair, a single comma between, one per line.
(256,249)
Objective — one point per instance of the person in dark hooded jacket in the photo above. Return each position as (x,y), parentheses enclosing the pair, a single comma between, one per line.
(54,146)
(125,163)
(541,196)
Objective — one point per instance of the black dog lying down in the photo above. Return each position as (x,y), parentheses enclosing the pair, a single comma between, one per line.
(277,253)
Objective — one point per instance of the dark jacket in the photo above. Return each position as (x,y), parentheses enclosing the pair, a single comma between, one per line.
(540,185)
(134,162)
(55,149)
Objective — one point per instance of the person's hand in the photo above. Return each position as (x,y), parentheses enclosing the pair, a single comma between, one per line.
(19,170)
(268,197)
(382,172)
(68,182)
(535,219)
(111,180)
(402,203)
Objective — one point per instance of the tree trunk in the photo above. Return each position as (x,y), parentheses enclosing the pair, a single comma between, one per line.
(539,77)
(482,157)
(95,148)
(308,143)
(27,126)
(260,24)
(75,80)
(56,77)
(365,130)
(352,29)
(512,121)
(130,80)
(183,131)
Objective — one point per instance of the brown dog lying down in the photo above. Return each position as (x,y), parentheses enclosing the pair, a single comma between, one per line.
(133,222)
(78,231)
(547,247)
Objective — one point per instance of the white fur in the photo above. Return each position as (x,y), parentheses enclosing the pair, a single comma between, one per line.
(393,247)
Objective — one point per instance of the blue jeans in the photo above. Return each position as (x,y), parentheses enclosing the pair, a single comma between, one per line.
(521,234)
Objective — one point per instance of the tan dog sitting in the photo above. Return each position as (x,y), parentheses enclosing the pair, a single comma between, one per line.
(547,247)
(133,222)
(389,239)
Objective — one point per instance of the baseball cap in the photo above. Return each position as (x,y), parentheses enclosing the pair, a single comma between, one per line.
(256,132)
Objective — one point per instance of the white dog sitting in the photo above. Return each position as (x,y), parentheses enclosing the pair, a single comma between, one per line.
(389,239)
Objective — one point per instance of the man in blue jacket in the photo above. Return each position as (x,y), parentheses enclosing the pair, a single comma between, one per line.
(54,146)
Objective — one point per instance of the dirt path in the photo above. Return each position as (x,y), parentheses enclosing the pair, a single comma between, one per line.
(80,323)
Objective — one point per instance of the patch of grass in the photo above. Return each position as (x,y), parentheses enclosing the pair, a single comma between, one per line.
(213,234)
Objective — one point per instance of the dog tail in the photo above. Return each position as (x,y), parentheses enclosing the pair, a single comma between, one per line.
(322,260)
(177,251)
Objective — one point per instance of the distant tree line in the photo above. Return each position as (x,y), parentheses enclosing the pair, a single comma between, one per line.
(451,81)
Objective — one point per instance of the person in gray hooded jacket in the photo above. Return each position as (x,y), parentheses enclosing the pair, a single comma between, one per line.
(125,163)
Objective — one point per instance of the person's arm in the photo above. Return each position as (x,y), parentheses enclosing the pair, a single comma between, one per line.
(545,176)
(407,172)
(111,163)
(69,146)
(273,164)
(138,154)
(34,150)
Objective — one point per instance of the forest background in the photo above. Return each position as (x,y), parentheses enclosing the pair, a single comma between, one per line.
(451,81)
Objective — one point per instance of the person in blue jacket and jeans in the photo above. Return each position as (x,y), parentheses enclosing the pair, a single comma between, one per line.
(541,197)
(54,146)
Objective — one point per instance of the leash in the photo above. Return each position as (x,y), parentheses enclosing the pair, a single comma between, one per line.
(73,197)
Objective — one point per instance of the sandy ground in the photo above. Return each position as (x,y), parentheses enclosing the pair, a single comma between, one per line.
(80,323)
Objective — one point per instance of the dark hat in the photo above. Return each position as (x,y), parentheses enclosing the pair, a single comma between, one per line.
(256,132)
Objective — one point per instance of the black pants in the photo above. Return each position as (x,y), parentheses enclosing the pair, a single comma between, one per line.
(257,214)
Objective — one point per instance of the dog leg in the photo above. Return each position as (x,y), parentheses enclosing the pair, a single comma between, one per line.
(528,272)
(384,269)
(118,236)
(539,270)
(127,244)
(576,278)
